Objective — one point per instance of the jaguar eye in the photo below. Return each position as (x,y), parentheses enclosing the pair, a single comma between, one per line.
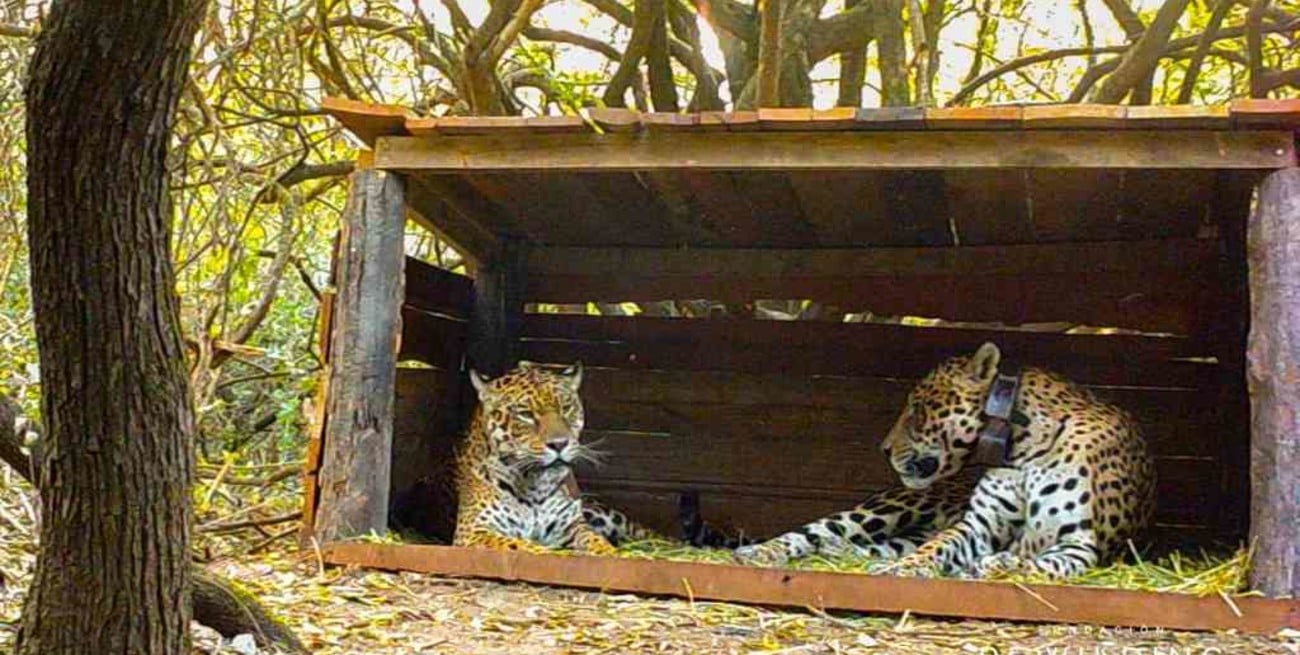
(526,416)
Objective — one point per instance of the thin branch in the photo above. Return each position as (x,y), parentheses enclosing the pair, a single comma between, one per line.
(1173,46)
(629,67)
(1203,48)
(572,38)
(17,31)
(1127,18)
(218,527)
(1255,47)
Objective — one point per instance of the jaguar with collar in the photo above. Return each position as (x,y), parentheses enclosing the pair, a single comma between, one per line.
(1074,482)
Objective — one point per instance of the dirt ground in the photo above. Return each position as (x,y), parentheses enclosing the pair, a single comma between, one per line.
(353,611)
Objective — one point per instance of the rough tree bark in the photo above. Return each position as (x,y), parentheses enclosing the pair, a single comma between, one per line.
(1273,367)
(217,603)
(113,574)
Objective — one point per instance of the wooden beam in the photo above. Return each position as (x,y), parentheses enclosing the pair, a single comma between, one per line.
(432,289)
(1273,246)
(1100,257)
(853,150)
(357,444)
(825,590)
(455,213)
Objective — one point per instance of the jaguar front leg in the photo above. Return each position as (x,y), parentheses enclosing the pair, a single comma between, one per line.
(996,513)
(588,540)
(485,538)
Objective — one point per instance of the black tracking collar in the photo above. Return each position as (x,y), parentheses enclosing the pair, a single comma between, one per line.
(993,449)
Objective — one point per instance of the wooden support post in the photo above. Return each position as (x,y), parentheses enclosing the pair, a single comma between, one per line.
(354,476)
(498,310)
(1273,360)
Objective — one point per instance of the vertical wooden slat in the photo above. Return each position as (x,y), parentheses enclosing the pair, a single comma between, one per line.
(357,446)
(1273,366)
(498,311)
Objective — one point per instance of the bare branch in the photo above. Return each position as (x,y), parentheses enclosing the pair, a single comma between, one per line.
(1127,19)
(614,10)
(741,21)
(646,14)
(17,31)
(1203,48)
(572,38)
(1143,57)
(844,31)
(1255,47)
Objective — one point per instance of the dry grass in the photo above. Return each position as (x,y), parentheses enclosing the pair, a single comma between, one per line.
(1202,574)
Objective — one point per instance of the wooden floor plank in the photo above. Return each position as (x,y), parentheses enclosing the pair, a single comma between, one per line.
(825,590)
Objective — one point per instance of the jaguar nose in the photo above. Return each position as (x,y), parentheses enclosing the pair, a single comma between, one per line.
(923,467)
(557,445)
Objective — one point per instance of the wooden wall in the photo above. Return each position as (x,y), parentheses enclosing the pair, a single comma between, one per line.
(777,422)
(429,398)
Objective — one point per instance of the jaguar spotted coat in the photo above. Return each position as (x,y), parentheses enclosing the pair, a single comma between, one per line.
(1079,483)
(512,469)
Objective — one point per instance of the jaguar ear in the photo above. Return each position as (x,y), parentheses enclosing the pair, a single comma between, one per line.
(574,373)
(983,365)
(480,383)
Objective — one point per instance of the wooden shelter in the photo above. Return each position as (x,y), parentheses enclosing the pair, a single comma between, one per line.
(1009,223)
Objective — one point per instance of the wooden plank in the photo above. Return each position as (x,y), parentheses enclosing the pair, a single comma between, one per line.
(889,118)
(1266,113)
(990,207)
(857,349)
(1073,116)
(939,149)
(659,121)
(367,326)
(1168,203)
(511,125)
(759,512)
(1102,257)
(432,289)
(803,119)
(447,206)
(845,207)
(422,127)
(1273,367)
(916,205)
(432,339)
(615,119)
(1201,117)
(1075,205)
(426,429)
(973,118)
(1160,301)
(957,598)
(367,121)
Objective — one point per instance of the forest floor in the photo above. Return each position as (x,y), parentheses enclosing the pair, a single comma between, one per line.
(339,611)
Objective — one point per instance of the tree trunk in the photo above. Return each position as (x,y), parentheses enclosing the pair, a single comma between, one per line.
(113,574)
(218,604)
(1273,366)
